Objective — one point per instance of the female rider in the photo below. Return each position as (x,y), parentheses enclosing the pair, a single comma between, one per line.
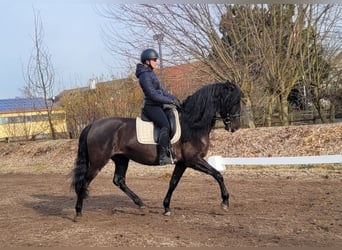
(155,97)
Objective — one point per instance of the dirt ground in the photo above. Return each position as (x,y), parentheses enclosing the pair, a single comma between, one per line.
(292,206)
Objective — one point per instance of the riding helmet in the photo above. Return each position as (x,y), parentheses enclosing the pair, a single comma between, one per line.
(148,54)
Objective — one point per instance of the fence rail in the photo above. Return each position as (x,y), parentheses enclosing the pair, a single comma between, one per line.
(219,162)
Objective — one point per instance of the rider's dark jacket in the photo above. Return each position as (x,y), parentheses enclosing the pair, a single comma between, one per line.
(155,94)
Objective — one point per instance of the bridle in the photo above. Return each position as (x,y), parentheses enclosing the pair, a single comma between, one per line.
(227,120)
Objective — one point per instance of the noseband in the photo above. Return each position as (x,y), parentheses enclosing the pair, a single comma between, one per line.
(227,119)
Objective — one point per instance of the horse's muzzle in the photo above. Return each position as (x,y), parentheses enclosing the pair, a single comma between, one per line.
(230,129)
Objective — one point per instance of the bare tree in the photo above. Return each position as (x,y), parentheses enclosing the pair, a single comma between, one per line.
(272,31)
(264,48)
(320,69)
(191,33)
(233,41)
(40,75)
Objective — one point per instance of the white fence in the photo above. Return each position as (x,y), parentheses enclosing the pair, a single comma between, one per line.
(219,162)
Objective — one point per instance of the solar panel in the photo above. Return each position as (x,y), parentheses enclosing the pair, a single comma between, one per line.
(21,104)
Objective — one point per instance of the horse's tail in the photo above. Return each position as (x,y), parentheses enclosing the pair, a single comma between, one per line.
(79,182)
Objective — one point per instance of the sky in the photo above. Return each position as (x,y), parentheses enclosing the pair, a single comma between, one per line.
(73,35)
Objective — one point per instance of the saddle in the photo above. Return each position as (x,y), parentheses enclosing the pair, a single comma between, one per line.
(147,133)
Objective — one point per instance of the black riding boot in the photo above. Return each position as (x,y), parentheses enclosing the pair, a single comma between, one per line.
(163,145)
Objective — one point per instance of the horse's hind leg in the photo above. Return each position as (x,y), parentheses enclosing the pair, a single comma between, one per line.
(82,190)
(121,165)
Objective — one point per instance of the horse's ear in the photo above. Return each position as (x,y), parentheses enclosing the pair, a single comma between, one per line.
(231,85)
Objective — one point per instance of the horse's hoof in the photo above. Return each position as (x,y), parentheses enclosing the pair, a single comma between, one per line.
(224,207)
(77,217)
(167,213)
(143,208)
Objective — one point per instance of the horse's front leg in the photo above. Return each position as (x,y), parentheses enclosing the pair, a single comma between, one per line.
(205,167)
(176,176)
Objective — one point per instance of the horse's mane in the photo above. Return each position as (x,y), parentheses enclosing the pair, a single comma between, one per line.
(199,109)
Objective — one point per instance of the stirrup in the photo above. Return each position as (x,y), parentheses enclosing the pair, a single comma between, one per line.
(165,161)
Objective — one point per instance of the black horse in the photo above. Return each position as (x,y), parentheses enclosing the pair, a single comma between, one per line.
(115,138)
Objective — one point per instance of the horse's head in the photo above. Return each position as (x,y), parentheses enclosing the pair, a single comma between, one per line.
(231,107)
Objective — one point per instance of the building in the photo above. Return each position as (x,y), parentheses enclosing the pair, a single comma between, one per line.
(184,79)
(27,118)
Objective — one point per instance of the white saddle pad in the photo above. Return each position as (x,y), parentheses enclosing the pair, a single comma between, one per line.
(145,133)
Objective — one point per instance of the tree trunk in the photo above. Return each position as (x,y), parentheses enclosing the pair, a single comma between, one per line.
(269,111)
(284,110)
(249,116)
(321,114)
(332,112)
(52,127)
